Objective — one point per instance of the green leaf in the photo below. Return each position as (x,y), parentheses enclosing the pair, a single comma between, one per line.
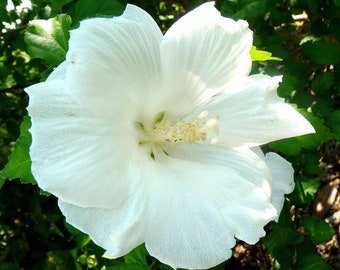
(8,266)
(293,146)
(285,218)
(258,55)
(318,230)
(57,5)
(240,9)
(2,180)
(321,52)
(311,162)
(333,121)
(302,99)
(337,2)
(128,267)
(95,8)
(280,242)
(311,262)
(282,236)
(19,165)
(311,187)
(304,192)
(289,147)
(323,133)
(137,256)
(48,39)
(288,85)
(81,238)
(307,257)
(323,82)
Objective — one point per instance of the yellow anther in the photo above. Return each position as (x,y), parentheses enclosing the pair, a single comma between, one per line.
(182,131)
(178,133)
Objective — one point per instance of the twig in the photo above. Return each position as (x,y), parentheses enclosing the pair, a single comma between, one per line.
(14,31)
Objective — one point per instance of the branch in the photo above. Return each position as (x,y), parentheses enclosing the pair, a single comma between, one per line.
(14,31)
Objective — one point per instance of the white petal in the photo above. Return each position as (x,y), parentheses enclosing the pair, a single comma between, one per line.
(250,113)
(244,161)
(115,60)
(253,170)
(117,230)
(200,53)
(59,72)
(80,158)
(283,179)
(196,209)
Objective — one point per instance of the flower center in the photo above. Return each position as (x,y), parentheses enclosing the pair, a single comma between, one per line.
(178,133)
(167,133)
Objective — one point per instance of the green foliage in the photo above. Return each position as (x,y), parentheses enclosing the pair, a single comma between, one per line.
(294,249)
(258,55)
(304,192)
(282,240)
(130,267)
(94,8)
(48,39)
(19,165)
(307,258)
(240,9)
(137,256)
(322,52)
(309,49)
(318,230)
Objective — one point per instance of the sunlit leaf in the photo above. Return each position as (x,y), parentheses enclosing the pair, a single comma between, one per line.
(304,191)
(48,39)
(258,55)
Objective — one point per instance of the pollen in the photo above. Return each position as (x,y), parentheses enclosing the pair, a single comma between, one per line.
(162,132)
(184,131)
(178,133)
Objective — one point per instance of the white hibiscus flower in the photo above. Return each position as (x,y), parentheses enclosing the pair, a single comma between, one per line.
(145,138)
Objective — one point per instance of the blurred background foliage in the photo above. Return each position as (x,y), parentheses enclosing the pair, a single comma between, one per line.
(305,34)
